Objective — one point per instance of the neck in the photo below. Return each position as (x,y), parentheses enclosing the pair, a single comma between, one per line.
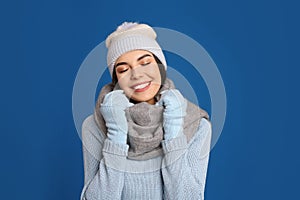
(150,101)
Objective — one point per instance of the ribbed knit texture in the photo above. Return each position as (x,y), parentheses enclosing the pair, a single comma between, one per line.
(132,36)
(179,174)
(133,42)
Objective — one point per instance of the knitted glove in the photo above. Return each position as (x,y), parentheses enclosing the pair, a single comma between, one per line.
(175,110)
(112,110)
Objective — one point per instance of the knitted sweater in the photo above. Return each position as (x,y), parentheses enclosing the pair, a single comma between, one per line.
(180,173)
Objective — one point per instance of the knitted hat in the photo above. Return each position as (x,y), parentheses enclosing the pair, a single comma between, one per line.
(132,36)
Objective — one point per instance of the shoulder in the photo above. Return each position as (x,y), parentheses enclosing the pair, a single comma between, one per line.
(205,125)
(89,123)
(202,138)
(90,129)
(204,129)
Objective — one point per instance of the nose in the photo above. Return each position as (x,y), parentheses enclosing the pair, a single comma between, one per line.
(136,73)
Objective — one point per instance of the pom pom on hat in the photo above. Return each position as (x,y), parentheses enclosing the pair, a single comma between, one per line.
(126,25)
(132,36)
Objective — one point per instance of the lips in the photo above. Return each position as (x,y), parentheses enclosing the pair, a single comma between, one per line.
(140,87)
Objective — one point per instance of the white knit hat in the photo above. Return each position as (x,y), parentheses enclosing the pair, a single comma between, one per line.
(132,36)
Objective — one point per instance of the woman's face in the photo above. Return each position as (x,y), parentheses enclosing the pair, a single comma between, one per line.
(138,75)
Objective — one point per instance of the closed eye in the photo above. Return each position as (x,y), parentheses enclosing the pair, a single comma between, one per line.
(144,64)
(122,71)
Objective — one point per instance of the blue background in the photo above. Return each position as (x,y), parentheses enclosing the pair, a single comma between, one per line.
(254,44)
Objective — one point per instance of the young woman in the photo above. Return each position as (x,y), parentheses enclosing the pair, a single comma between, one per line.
(144,140)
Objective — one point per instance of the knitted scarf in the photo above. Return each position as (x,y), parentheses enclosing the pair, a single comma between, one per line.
(145,124)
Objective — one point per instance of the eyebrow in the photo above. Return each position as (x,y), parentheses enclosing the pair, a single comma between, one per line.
(140,58)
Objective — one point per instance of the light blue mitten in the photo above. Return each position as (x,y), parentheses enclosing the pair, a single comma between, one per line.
(175,110)
(113,112)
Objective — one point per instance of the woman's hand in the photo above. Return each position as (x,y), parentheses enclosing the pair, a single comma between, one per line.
(113,112)
(175,110)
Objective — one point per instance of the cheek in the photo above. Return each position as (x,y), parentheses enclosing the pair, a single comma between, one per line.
(123,81)
(156,75)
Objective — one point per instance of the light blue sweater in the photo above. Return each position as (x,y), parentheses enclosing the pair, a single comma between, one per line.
(177,175)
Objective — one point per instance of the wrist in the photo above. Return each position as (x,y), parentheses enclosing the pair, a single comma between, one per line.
(173,128)
(120,139)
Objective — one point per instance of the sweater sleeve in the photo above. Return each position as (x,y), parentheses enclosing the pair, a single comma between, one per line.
(185,164)
(101,180)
